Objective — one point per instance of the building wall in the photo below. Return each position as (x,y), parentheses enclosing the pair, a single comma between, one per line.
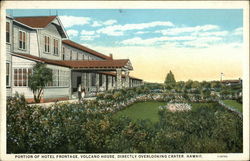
(52,32)
(18,63)
(60,91)
(16,29)
(81,54)
(8,57)
(34,49)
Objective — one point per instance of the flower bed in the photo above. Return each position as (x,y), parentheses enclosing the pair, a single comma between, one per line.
(173,107)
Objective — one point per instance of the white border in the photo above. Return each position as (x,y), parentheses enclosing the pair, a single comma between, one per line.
(132,5)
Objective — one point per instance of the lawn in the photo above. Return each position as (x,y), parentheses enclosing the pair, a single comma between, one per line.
(234,104)
(142,111)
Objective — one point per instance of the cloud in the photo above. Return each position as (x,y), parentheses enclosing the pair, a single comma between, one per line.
(178,41)
(152,41)
(85,32)
(89,37)
(110,22)
(96,24)
(117,30)
(141,32)
(72,33)
(219,33)
(179,30)
(103,23)
(238,31)
(69,21)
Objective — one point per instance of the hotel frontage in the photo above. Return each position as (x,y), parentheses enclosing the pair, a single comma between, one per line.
(43,39)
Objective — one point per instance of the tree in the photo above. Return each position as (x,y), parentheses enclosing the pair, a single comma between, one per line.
(40,77)
(170,78)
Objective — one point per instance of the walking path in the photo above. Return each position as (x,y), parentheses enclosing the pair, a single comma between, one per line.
(47,104)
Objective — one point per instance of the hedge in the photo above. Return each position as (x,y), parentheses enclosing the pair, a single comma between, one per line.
(78,128)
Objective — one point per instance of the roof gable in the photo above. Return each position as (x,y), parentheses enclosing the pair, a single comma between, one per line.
(36,22)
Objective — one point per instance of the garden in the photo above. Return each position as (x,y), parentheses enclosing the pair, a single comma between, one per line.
(110,124)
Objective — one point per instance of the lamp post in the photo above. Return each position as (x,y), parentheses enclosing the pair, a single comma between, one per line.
(221,75)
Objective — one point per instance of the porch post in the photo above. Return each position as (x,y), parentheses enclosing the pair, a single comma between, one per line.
(97,82)
(118,78)
(126,79)
(109,82)
(104,81)
(70,84)
(89,81)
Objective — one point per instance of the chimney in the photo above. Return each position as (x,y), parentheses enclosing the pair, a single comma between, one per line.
(111,56)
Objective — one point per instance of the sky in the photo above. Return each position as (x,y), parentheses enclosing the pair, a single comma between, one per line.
(197,44)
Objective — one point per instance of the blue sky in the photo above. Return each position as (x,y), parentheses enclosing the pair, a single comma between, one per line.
(193,28)
(196,44)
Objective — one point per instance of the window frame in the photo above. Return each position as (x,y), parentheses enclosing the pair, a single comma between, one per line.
(55,50)
(8,32)
(47,44)
(8,73)
(19,82)
(23,40)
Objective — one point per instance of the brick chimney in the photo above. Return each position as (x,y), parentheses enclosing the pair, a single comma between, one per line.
(111,56)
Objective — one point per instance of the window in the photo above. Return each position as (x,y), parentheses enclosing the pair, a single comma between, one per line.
(93,79)
(7,32)
(21,76)
(60,78)
(63,53)
(55,47)
(22,40)
(77,56)
(64,78)
(7,74)
(47,44)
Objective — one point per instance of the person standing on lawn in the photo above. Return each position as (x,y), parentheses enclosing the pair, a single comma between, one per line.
(82,94)
(79,91)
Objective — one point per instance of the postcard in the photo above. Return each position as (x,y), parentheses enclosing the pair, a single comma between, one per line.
(124,80)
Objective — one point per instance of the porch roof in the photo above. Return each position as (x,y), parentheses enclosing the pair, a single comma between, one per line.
(123,75)
(82,64)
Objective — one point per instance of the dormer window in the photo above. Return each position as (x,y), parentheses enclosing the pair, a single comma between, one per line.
(7,32)
(22,40)
(47,44)
(55,47)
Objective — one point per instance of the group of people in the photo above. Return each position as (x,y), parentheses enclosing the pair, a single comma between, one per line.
(81,92)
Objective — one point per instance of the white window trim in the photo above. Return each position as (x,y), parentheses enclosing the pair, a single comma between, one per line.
(13,77)
(10,76)
(57,47)
(9,34)
(47,52)
(25,40)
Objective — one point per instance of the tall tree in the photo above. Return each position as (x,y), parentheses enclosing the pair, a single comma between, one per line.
(38,79)
(170,78)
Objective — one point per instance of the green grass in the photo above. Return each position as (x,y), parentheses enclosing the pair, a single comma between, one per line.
(148,110)
(142,111)
(234,104)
